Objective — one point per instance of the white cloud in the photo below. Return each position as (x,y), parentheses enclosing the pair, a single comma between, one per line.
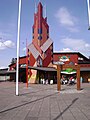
(3,67)
(73,29)
(66,50)
(76,44)
(66,19)
(6,44)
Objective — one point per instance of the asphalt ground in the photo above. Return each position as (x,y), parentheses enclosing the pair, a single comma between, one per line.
(44,102)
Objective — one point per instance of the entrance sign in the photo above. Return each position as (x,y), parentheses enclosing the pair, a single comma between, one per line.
(64,58)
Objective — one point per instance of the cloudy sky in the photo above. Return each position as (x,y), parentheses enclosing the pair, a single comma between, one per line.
(67,19)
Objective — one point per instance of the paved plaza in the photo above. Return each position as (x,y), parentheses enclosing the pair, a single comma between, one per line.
(44,102)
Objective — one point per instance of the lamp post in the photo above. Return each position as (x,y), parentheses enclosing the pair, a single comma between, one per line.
(18,42)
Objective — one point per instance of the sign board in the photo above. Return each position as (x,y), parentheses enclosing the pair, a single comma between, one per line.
(64,58)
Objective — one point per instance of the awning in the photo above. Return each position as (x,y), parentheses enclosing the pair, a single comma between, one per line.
(68,71)
(41,68)
(7,72)
(85,69)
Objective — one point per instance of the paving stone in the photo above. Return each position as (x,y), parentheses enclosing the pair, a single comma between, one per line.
(31,118)
(44,118)
(43,102)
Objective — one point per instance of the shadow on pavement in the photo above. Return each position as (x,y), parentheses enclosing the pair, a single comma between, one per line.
(27,103)
(35,91)
(66,109)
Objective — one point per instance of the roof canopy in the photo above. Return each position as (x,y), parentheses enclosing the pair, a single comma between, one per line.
(68,71)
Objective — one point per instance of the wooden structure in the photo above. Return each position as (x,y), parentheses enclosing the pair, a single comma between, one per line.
(61,67)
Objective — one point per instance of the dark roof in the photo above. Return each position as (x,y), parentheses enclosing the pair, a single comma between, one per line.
(65,52)
(3,69)
(52,69)
(49,69)
(41,68)
(22,57)
(7,72)
(84,62)
(84,69)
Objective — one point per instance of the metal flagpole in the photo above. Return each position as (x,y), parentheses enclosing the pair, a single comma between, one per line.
(88,3)
(18,42)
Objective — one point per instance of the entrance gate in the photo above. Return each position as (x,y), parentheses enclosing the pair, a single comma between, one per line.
(61,67)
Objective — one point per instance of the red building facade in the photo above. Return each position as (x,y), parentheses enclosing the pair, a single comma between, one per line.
(74,58)
(22,61)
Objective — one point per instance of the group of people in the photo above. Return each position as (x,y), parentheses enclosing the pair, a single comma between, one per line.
(70,80)
(64,80)
(43,81)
